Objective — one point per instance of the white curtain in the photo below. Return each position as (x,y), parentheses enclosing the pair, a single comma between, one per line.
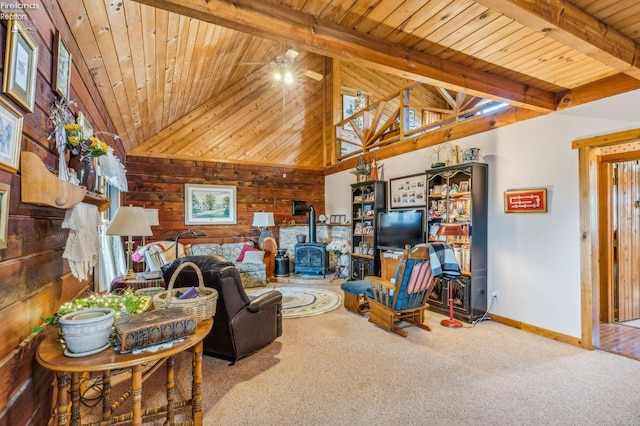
(111,260)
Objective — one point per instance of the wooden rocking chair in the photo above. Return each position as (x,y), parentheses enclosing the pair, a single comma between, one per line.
(397,306)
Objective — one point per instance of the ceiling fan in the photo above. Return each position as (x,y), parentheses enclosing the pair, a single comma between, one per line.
(283,66)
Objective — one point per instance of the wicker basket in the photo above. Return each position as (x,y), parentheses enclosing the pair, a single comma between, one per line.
(202,307)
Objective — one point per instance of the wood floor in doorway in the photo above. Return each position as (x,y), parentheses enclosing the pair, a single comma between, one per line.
(620,339)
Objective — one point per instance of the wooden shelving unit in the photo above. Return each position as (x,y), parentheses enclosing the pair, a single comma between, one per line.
(459,194)
(41,187)
(367,199)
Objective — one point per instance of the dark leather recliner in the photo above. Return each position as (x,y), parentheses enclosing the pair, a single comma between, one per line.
(241,325)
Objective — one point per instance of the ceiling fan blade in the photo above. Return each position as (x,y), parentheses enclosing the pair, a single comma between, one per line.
(251,63)
(291,54)
(314,75)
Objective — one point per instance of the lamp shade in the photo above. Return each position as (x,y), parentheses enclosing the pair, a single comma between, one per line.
(450,230)
(130,221)
(263,219)
(152,217)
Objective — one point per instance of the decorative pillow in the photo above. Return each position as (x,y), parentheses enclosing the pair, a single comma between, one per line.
(253,256)
(245,248)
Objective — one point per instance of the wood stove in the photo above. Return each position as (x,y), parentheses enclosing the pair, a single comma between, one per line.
(311,258)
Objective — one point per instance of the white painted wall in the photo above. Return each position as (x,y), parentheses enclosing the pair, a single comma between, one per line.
(534,259)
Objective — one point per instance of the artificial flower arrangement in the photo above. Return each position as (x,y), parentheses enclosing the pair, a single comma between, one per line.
(78,143)
(123,304)
(339,247)
(363,167)
(74,137)
(71,134)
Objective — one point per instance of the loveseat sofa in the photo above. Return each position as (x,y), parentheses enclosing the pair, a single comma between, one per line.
(253,271)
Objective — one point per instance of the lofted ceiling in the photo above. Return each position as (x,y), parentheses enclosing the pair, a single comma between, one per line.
(192,78)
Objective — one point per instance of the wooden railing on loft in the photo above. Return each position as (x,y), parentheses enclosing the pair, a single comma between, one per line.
(379,124)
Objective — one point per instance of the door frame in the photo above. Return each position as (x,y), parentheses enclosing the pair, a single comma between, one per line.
(589,179)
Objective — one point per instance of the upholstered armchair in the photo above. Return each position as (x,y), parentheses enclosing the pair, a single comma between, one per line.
(241,325)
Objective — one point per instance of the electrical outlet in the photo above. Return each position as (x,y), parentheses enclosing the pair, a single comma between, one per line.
(494,294)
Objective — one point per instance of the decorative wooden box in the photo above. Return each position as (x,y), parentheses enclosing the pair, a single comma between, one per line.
(152,328)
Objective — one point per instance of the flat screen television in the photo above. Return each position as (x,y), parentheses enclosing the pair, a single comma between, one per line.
(395,228)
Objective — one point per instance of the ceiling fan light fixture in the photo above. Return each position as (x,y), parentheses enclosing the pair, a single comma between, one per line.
(277,75)
(288,77)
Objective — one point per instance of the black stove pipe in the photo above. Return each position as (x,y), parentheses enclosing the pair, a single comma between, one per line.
(312,224)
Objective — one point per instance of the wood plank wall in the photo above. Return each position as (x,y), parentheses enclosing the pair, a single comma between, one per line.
(159,183)
(35,278)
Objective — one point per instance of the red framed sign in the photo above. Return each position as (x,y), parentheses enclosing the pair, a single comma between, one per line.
(526,201)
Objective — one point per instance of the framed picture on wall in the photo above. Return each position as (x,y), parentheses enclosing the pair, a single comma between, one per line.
(10,136)
(408,191)
(87,127)
(20,65)
(525,201)
(348,109)
(61,67)
(351,105)
(4,213)
(209,204)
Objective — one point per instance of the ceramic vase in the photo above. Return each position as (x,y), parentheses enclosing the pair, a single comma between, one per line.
(87,330)
(471,154)
(85,172)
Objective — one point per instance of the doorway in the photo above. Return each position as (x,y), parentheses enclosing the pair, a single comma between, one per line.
(619,253)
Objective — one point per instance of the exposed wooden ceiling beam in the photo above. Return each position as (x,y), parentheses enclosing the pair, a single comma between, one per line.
(306,32)
(500,118)
(611,86)
(564,22)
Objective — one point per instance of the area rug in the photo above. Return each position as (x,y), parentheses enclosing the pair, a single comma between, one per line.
(298,302)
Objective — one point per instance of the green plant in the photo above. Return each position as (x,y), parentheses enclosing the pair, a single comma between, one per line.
(363,167)
(125,303)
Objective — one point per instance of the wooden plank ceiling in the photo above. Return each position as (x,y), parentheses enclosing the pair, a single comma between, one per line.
(192,78)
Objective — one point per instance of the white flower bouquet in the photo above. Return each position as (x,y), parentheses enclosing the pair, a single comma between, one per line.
(339,247)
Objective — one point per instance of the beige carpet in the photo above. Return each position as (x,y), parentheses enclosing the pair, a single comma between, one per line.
(338,369)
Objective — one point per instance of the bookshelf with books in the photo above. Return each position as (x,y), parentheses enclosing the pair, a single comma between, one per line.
(458,194)
(367,199)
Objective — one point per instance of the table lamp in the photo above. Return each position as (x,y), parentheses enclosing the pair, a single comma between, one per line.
(194,232)
(130,221)
(450,230)
(262,220)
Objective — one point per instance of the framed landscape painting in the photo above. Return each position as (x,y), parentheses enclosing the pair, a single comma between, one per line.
(209,204)
(20,65)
